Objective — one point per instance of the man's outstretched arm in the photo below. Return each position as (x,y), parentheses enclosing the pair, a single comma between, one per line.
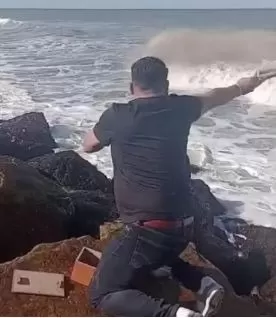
(102,134)
(223,95)
(219,96)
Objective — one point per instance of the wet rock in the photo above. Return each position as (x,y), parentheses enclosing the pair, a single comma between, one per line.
(204,194)
(199,155)
(233,208)
(26,136)
(268,290)
(246,263)
(92,209)
(33,209)
(261,238)
(39,210)
(244,266)
(89,189)
(195,169)
(233,305)
(70,170)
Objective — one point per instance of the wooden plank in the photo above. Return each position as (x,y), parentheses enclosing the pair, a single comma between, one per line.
(38,283)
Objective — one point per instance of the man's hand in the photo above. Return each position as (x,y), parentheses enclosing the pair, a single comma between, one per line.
(248,84)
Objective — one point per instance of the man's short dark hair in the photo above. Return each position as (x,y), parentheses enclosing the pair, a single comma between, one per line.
(150,73)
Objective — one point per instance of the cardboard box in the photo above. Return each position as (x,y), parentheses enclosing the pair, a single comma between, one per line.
(85,266)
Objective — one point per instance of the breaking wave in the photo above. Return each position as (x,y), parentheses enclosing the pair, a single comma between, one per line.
(7,21)
(202,59)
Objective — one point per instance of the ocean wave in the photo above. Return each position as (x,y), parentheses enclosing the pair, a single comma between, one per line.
(187,46)
(205,59)
(201,78)
(14,101)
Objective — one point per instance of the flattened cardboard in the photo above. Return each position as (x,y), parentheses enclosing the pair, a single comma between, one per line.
(38,283)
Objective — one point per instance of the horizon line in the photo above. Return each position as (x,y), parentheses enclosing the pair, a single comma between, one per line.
(118,9)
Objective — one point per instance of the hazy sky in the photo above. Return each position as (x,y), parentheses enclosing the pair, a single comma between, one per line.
(106,4)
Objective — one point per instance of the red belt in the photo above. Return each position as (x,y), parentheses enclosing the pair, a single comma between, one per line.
(163,224)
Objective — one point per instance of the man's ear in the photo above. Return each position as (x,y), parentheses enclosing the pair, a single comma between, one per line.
(131,88)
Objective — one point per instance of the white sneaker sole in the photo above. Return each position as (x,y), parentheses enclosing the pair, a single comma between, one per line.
(213,303)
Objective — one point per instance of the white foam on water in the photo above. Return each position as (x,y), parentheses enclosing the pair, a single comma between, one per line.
(7,21)
(4,21)
(14,101)
(201,78)
(202,60)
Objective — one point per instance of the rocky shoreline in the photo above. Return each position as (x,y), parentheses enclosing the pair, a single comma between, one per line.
(52,204)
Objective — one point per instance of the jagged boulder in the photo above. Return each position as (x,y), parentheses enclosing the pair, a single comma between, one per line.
(33,209)
(92,209)
(204,194)
(90,190)
(263,240)
(268,291)
(26,136)
(248,263)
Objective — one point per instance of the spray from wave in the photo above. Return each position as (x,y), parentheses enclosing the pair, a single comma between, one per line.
(4,21)
(7,22)
(202,59)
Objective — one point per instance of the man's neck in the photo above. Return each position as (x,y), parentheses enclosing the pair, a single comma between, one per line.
(147,94)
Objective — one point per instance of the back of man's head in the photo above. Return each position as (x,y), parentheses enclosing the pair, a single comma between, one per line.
(150,74)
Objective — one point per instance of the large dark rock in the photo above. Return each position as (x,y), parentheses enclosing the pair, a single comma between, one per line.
(195,169)
(244,270)
(253,264)
(204,194)
(70,170)
(92,209)
(268,291)
(33,209)
(90,190)
(246,263)
(26,137)
(263,240)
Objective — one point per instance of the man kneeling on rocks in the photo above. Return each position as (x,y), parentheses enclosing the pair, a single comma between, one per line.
(148,137)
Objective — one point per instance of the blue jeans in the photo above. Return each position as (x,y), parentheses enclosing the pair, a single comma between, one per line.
(137,252)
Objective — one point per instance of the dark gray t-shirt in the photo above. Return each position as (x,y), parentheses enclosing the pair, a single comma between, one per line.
(148,138)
